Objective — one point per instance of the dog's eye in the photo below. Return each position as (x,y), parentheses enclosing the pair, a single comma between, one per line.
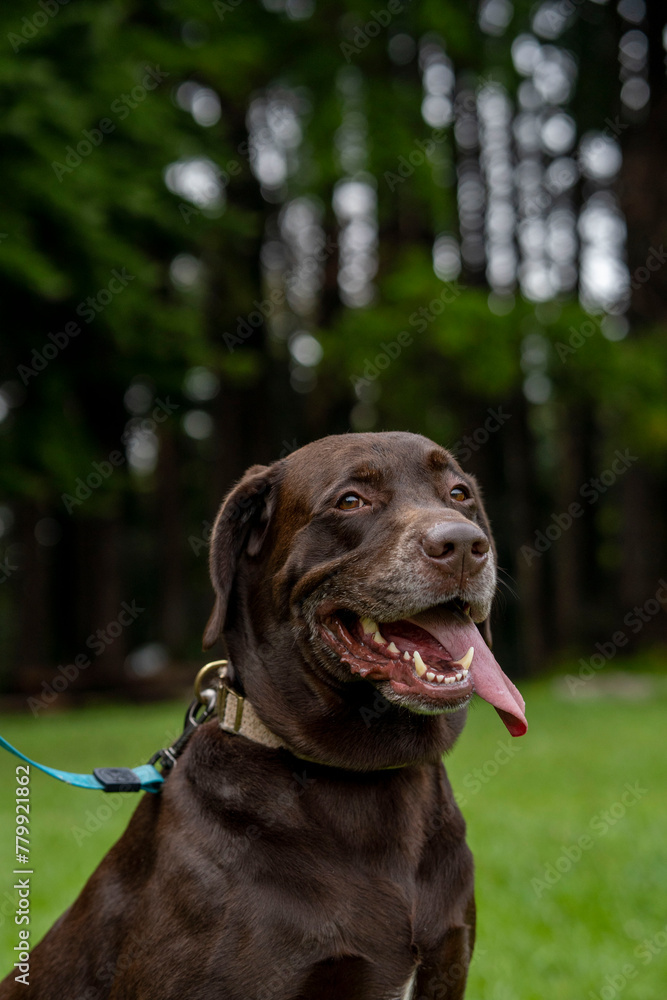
(350,502)
(459,493)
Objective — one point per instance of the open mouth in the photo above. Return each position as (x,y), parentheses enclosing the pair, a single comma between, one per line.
(436,659)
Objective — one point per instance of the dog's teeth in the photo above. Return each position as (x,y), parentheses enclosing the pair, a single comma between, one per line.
(465,661)
(379,639)
(440,678)
(392,648)
(406,656)
(369,626)
(459,677)
(466,609)
(430,676)
(420,666)
(450,679)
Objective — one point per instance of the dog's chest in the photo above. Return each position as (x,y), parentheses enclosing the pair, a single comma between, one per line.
(309,920)
(311,893)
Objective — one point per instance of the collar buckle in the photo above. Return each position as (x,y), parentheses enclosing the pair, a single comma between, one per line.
(229,714)
(214,676)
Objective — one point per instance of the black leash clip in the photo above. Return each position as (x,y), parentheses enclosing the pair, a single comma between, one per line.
(118,779)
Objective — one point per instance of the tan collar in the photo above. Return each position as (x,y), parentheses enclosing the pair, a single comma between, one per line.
(236,715)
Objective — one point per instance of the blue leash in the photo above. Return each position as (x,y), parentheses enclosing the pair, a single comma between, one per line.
(144,778)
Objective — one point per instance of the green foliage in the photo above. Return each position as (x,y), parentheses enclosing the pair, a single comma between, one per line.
(68,228)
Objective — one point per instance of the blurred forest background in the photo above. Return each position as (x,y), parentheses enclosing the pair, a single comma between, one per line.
(230,227)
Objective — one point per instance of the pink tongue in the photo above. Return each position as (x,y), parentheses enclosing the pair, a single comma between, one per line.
(490,683)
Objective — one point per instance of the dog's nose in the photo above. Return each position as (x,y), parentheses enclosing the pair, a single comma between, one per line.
(454,544)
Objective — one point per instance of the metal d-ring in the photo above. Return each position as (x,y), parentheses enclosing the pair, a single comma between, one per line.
(216,667)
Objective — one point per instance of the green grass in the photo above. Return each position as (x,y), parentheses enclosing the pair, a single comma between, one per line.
(534,942)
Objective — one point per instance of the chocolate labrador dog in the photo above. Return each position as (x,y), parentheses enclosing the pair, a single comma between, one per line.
(318,852)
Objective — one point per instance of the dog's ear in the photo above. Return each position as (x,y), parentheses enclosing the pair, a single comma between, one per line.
(241,524)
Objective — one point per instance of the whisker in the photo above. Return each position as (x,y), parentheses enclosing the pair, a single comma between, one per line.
(509,584)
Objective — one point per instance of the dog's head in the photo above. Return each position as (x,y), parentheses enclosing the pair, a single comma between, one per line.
(351,578)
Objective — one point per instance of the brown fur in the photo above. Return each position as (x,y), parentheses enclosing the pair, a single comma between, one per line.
(256,874)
